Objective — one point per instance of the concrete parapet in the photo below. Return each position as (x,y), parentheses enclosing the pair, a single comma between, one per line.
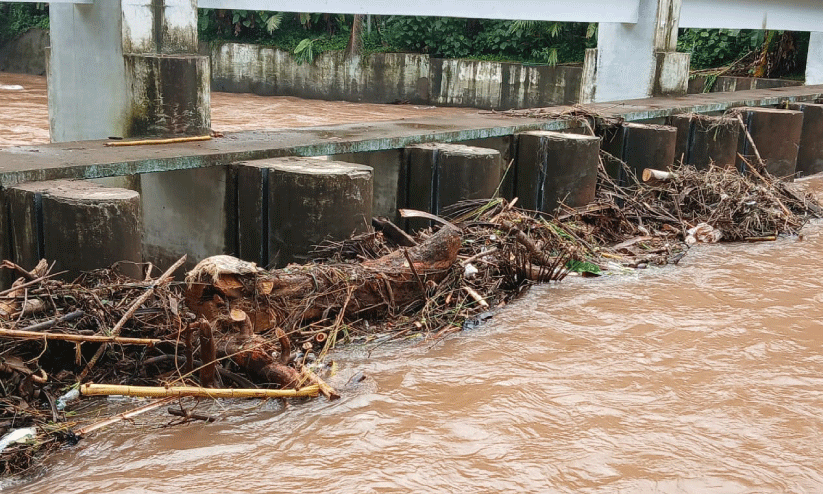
(703,140)
(288,205)
(79,225)
(554,167)
(776,133)
(170,95)
(810,154)
(437,175)
(640,146)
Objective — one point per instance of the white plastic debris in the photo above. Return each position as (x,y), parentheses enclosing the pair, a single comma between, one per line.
(470,271)
(17,436)
(703,233)
(70,397)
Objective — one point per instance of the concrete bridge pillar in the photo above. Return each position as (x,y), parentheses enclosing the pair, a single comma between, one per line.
(288,205)
(554,167)
(814,62)
(79,225)
(637,60)
(126,68)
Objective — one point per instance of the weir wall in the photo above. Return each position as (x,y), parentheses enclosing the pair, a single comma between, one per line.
(190,193)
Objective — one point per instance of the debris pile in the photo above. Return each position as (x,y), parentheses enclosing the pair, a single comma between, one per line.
(233,329)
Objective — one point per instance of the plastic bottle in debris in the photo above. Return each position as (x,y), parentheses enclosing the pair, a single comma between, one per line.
(70,397)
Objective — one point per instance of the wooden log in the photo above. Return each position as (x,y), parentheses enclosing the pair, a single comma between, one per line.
(189,415)
(315,290)
(308,376)
(650,175)
(91,389)
(208,354)
(254,356)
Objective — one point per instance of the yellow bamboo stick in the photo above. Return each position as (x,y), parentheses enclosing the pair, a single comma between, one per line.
(36,335)
(158,141)
(90,389)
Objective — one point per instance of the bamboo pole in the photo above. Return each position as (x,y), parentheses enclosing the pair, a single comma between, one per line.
(122,416)
(158,141)
(91,389)
(37,335)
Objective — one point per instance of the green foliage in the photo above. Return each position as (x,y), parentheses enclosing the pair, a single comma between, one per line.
(523,41)
(304,52)
(583,267)
(712,48)
(17,18)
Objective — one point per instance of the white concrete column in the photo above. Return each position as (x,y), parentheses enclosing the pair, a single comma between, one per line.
(638,60)
(814,62)
(86,74)
(126,68)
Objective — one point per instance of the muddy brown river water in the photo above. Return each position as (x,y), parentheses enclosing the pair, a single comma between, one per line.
(705,377)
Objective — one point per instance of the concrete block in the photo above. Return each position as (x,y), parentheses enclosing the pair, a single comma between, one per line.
(288,205)
(438,175)
(5,240)
(552,167)
(78,225)
(386,166)
(810,154)
(702,140)
(311,200)
(671,73)
(776,133)
(640,146)
(188,212)
(505,146)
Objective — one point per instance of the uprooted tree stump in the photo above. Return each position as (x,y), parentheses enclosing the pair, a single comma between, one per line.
(295,295)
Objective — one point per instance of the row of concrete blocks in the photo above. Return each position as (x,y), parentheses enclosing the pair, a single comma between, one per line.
(283,206)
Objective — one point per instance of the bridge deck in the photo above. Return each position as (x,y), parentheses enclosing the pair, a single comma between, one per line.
(92,159)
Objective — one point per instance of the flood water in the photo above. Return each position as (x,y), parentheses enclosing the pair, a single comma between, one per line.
(706,377)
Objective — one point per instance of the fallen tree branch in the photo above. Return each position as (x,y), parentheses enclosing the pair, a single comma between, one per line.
(71,316)
(123,416)
(134,306)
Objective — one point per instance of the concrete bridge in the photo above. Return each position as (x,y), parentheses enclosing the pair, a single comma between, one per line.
(130,67)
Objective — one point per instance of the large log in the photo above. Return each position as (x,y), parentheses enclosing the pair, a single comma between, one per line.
(308,292)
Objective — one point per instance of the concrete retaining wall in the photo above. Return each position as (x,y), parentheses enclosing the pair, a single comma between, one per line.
(26,54)
(390,77)
(381,77)
(725,84)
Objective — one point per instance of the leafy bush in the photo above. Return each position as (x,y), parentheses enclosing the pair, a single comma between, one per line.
(17,18)
(532,42)
(718,47)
